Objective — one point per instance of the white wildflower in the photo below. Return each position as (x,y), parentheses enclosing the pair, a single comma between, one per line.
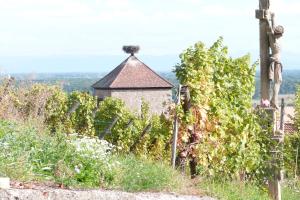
(92,147)
(46,168)
(77,169)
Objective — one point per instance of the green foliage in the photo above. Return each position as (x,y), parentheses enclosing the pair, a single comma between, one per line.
(122,137)
(82,81)
(195,71)
(233,190)
(32,101)
(29,155)
(82,120)
(56,109)
(144,175)
(77,112)
(221,92)
(289,193)
(291,145)
(129,134)
(81,162)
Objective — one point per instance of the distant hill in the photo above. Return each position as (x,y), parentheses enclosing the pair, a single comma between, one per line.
(83,81)
(291,78)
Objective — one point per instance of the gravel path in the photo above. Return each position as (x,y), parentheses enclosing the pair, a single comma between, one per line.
(60,194)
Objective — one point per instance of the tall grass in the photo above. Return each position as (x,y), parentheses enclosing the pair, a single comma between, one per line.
(233,190)
(143,175)
(241,191)
(81,162)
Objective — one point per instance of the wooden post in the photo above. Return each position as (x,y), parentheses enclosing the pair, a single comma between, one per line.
(129,123)
(186,154)
(264,6)
(144,132)
(271,70)
(73,108)
(183,155)
(108,130)
(296,160)
(272,183)
(282,113)
(277,154)
(175,131)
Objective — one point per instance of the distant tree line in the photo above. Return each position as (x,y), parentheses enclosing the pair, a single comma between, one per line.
(291,78)
(83,81)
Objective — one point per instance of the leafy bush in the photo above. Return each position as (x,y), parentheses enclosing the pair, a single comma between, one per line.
(291,145)
(230,142)
(78,112)
(30,155)
(130,133)
(82,120)
(56,109)
(76,161)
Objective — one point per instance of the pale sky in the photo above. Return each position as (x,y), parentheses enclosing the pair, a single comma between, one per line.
(51,35)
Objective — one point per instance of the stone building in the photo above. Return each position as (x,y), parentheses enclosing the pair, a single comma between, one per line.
(133,81)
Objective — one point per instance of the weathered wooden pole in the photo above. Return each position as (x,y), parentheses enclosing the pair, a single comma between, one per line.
(108,129)
(186,104)
(271,71)
(264,6)
(175,131)
(270,53)
(278,137)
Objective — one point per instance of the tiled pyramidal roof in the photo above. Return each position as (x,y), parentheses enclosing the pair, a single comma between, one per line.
(132,73)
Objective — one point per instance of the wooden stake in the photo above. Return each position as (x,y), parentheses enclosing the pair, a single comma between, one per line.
(264,49)
(73,108)
(175,131)
(144,132)
(108,130)
(296,164)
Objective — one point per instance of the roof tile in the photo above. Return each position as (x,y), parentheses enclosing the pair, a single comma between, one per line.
(132,73)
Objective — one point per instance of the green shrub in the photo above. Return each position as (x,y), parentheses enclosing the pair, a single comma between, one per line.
(127,133)
(71,160)
(225,127)
(57,110)
(76,161)
(291,144)
(82,120)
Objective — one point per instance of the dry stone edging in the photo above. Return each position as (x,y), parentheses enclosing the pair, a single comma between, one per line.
(61,194)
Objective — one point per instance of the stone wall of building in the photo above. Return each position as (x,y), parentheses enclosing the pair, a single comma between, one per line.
(101,94)
(133,98)
(155,97)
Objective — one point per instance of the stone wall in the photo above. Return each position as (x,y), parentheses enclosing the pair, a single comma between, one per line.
(155,97)
(133,98)
(101,94)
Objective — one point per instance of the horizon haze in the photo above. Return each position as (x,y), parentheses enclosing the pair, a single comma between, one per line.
(87,36)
